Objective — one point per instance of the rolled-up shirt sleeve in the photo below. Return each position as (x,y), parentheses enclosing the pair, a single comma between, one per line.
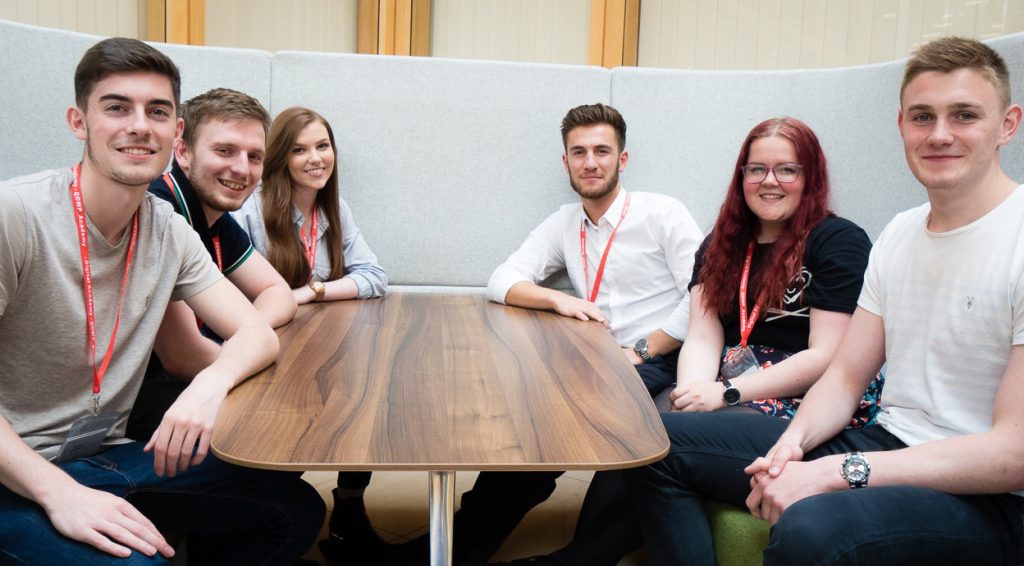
(540,256)
(361,264)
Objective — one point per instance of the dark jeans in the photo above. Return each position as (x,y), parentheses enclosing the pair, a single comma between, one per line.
(231,515)
(876,525)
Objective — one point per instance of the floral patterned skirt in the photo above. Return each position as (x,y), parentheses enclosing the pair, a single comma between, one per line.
(786,407)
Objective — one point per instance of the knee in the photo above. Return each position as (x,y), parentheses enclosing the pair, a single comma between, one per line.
(811,531)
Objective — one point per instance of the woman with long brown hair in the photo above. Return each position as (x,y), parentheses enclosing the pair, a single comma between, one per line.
(298,220)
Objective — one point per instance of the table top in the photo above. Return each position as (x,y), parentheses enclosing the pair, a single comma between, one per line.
(432,381)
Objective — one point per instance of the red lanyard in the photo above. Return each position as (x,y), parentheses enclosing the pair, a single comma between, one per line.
(310,243)
(747,322)
(604,257)
(90,312)
(216,252)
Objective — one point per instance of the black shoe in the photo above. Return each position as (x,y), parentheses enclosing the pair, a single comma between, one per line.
(350,524)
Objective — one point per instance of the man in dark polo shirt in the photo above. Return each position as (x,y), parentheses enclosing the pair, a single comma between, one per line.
(217,163)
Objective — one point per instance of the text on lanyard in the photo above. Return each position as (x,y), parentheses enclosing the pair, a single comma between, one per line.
(90,311)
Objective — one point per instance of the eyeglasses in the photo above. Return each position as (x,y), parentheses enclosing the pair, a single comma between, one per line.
(784,172)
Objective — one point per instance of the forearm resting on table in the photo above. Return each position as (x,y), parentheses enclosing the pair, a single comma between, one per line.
(276,305)
(340,289)
(532,296)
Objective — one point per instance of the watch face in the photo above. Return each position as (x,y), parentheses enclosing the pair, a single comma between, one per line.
(856,470)
(732,396)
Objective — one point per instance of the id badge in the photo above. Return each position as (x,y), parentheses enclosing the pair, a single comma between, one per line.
(739,360)
(85,437)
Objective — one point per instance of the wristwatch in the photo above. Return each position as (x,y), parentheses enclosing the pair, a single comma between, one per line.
(641,349)
(731,395)
(856,470)
(318,288)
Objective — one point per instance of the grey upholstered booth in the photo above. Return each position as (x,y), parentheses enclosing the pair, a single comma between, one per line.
(448,164)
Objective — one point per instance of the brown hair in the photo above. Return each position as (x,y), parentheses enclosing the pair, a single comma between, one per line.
(592,115)
(948,54)
(220,104)
(122,55)
(284,249)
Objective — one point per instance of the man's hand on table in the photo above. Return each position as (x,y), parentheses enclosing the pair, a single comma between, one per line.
(573,307)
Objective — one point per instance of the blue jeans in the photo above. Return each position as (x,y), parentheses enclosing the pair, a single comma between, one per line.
(230,514)
(877,525)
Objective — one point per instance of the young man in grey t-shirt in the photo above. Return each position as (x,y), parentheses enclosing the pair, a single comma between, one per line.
(88,264)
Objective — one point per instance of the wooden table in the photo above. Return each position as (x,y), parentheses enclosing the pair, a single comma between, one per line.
(440,382)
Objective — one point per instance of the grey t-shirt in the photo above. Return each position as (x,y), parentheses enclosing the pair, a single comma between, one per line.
(45,364)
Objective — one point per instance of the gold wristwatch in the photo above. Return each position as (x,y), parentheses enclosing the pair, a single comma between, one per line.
(318,288)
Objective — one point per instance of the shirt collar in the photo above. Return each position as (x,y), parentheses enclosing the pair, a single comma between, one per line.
(614,212)
(321,219)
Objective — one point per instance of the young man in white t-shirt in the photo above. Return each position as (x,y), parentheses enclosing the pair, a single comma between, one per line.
(943,303)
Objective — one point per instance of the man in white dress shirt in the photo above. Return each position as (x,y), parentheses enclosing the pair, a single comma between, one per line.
(629,257)
(638,249)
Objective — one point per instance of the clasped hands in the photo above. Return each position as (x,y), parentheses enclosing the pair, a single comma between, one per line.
(781,478)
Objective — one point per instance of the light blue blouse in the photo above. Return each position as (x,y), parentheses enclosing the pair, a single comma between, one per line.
(361,264)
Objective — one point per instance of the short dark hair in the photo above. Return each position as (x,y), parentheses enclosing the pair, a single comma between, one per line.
(592,115)
(122,55)
(220,104)
(948,54)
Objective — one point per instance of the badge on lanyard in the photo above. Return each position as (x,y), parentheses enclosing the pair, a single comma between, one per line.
(87,433)
(740,359)
(85,437)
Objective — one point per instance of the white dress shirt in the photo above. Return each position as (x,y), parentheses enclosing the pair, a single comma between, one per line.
(648,269)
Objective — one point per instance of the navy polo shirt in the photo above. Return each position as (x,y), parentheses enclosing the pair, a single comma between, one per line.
(235,245)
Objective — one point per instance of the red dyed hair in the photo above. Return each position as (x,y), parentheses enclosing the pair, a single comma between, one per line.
(737,225)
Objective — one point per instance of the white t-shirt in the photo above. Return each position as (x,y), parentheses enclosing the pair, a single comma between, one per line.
(953,305)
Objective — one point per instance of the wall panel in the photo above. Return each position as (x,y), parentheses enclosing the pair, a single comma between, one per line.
(276,25)
(100,17)
(788,34)
(513,30)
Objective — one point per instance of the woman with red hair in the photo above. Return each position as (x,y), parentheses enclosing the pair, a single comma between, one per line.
(774,285)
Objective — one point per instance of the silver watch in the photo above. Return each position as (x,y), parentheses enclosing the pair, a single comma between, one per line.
(856,470)
(641,349)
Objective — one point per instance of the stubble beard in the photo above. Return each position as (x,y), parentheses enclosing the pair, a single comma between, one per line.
(598,193)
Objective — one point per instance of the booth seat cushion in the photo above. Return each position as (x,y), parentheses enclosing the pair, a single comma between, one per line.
(739,538)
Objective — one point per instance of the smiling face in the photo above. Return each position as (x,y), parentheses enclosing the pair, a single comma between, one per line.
(593,160)
(311,161)
(952,126)
(128,125)
(773,203)
(225,163)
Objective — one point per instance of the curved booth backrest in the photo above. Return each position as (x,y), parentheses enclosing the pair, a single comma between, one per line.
(448,164)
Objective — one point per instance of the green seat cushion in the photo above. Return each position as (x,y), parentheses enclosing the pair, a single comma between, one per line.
(739,538)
